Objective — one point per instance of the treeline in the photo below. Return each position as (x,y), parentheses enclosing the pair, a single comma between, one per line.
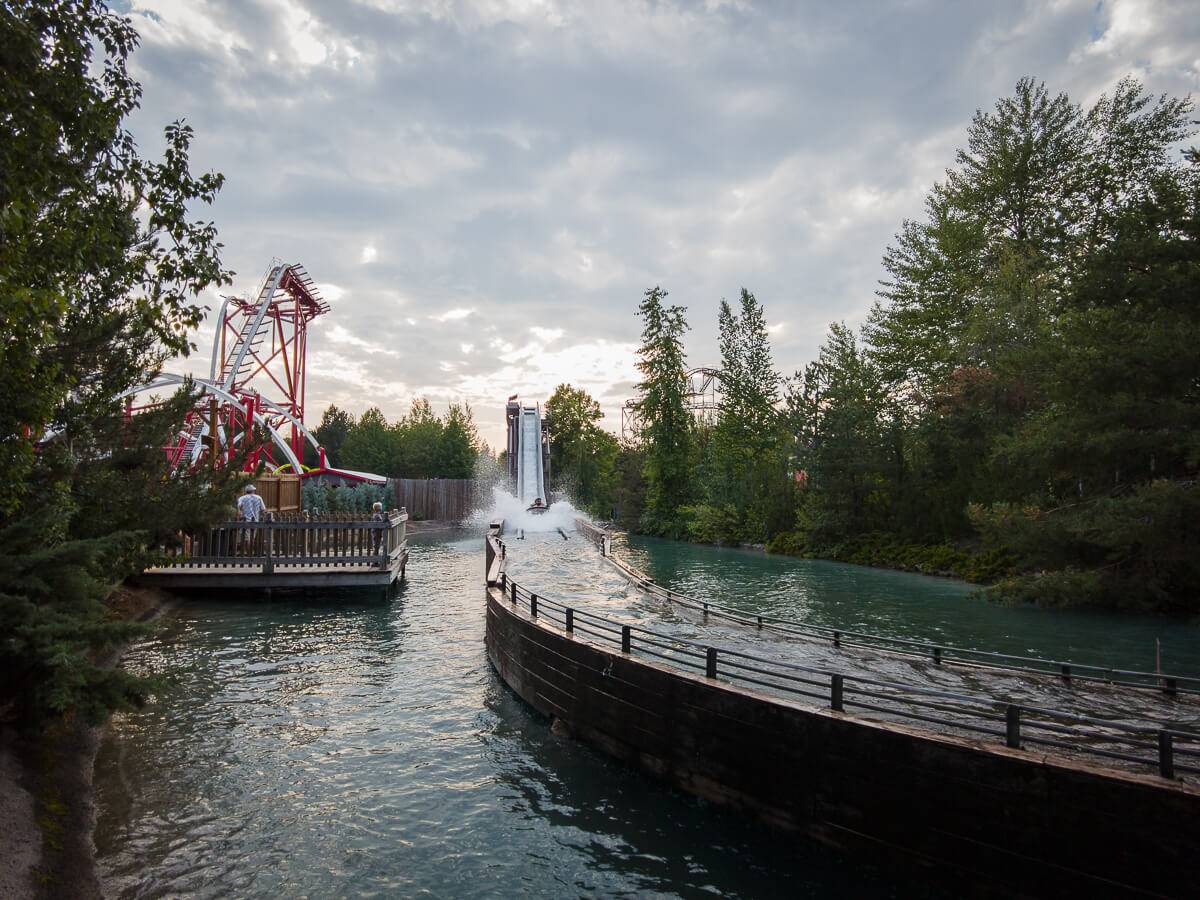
(101,266)
(420,444)
(1022,406)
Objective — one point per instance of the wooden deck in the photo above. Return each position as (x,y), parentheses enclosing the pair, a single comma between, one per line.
(297,552)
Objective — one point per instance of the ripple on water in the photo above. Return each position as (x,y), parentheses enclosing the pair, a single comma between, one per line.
(332,747)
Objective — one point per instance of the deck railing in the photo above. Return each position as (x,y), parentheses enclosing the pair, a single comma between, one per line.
(941,654)
(296,540)
(1165,749)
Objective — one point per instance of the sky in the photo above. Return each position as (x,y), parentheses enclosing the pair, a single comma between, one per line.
(483,191)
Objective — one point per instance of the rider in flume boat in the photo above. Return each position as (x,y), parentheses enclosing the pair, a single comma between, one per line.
(538,506)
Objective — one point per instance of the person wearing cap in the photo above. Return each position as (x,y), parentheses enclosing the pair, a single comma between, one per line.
(250,505)
(250,509)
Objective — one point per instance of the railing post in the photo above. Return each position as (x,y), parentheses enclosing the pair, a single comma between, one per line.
(710,663)
(503,584)
(533,605)
(837,639)
(937,656)
(835,692)
(1012,726)
(269,562)
(1066,673)
(1169,686)
(570,620)
(626,639)
(706,611)
(1166,755)
(760,621)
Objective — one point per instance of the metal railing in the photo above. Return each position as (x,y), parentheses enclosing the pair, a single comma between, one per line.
(1165,749)
(294,541)
(1065,670)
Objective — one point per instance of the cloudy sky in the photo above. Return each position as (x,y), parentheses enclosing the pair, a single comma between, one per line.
(483,190)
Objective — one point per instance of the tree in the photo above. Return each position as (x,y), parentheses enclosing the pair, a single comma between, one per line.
(747,453)
(459,444)
(370,445)
(100,268)
(835,407)
(582,455)
(335,427)
(666,422)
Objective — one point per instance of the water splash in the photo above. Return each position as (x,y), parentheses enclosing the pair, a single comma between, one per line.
(516,516)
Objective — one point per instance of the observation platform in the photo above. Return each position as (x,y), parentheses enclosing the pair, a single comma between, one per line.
(297,551)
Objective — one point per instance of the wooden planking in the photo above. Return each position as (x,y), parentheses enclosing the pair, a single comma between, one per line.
(442,499)
(1001,816)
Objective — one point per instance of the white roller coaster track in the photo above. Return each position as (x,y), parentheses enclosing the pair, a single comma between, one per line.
(168,379)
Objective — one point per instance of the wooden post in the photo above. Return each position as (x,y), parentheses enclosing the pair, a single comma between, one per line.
(1166,755)
(570,620)
(626,639)
(836,688)
(710,663)
(1012,726)
(533,605)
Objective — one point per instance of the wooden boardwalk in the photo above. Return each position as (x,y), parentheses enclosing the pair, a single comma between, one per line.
(297,552)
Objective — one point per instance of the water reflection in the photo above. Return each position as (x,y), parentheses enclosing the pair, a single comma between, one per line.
(334,749)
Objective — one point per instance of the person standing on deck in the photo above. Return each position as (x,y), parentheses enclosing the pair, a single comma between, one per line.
(250,509)
(250,505)
(377,515)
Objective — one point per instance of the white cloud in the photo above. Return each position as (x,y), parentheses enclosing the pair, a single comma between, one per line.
(369,254)
(453,315)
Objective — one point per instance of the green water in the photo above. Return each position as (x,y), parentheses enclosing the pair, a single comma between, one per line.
(331,747)
(903,604)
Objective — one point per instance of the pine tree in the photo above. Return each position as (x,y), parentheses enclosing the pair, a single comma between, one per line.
(100,268)
(667,425)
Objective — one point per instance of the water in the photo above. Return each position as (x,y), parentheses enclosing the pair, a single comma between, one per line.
(337,747)
(880,601)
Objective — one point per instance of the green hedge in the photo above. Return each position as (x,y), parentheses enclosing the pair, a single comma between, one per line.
(890,552)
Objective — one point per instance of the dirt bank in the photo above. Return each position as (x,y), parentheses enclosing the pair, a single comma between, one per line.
(47,807)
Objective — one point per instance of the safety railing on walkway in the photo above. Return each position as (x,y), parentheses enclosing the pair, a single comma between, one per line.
(1165,749)
(941,654)
(295,541)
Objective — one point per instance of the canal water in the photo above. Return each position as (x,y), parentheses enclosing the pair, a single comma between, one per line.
(331,746)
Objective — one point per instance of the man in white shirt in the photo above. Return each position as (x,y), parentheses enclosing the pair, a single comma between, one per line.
(250,505)
(250,509)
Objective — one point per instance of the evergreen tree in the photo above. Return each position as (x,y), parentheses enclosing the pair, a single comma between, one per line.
(667,425)
(459,445)
(100,268)
(335,427)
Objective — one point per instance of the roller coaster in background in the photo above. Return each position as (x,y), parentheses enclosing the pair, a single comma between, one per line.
(260,344)
(702,397)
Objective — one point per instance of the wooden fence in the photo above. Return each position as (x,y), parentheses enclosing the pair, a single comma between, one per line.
(296,540)
(280,493)
(443,499)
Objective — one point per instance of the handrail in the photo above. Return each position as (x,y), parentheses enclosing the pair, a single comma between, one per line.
(294,541)
(978,714)
(939,653)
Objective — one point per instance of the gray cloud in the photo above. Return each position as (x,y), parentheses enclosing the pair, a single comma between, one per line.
(542,163)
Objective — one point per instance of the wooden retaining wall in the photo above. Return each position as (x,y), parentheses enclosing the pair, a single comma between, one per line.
(982,818)
(444,499)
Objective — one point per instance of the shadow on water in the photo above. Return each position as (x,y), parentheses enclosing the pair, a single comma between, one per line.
(628,833)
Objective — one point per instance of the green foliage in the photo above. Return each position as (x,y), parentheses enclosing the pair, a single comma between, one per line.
(1030,369)
(356,498)
(666,423)
(583,457)
(100,269)
(420,445)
